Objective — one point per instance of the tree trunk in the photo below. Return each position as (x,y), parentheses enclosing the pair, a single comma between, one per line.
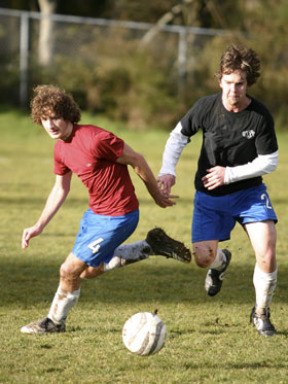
(45,45)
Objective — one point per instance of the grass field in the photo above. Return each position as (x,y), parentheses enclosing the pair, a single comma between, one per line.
(210,339)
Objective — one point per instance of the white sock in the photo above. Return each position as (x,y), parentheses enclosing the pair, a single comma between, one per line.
(129,253)
(62,303)
(265,285)
(219,260)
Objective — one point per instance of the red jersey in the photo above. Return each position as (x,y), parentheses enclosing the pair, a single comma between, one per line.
(91,153)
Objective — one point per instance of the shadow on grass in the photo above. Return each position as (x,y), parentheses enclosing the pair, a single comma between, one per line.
(157,279)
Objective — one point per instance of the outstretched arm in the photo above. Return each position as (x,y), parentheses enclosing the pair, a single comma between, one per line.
(173,149)
(54,201)
(142,169)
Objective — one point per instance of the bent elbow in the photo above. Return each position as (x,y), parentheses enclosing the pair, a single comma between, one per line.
(271,161)
(272,166)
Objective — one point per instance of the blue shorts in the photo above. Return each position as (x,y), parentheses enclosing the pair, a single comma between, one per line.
(214,217)
(100,235)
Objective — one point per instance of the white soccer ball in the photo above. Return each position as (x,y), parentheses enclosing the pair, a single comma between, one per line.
(144,333)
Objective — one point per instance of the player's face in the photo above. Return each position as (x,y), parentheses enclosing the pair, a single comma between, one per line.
(57,128)
(234,86)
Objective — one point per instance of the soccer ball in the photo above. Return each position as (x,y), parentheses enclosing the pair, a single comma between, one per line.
(144,333)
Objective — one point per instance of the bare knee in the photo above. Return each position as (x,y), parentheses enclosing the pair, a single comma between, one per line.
(69,276)
(204,254)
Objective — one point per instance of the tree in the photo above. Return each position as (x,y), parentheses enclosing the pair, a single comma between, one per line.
(45,43)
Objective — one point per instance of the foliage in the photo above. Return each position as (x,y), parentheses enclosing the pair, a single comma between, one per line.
(111,71)
(268,28)
(126,86)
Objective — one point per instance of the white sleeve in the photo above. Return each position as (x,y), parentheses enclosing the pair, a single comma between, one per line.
(173,149)
(262,165)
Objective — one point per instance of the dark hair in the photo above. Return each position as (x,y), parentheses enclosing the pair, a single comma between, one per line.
(49,99)
(240,58)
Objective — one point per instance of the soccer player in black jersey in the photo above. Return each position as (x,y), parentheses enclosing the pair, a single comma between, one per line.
(239,146)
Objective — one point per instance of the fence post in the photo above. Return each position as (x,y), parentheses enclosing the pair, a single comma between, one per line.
(182,59)
(24,47)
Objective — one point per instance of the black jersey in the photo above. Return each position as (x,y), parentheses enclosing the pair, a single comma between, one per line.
(229,138)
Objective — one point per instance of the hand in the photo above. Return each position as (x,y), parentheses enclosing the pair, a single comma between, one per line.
(28,233)
(214,177)
(165,201)
(165,183)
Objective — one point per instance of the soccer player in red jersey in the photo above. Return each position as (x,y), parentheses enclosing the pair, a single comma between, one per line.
(100,159)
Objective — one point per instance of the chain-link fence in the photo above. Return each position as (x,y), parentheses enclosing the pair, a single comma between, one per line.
(98,57)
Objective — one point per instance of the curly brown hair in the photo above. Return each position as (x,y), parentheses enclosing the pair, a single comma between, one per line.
(240,58)
(49,99)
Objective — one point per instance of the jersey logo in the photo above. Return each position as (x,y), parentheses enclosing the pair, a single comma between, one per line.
(248,134)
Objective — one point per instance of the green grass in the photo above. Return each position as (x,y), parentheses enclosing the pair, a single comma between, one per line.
(210,339)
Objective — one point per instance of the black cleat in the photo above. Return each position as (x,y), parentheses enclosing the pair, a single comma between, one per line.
(162,244)
(214,278)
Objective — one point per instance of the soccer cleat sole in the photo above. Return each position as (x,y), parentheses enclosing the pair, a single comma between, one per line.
(164,245)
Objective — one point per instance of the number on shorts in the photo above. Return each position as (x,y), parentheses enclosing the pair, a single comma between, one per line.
(265,197)
(95,245)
